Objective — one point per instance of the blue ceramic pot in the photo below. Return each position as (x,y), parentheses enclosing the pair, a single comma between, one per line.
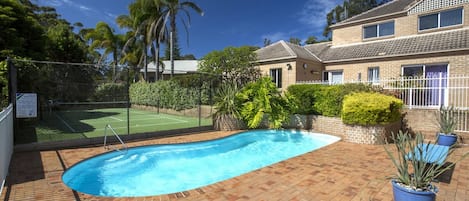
(404,194)
(446,140)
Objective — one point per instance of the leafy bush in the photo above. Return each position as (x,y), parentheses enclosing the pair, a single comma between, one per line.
(304,95)
(370,109)
(261,99)
(167,94)
(328,100)
(3,84)
(111,92)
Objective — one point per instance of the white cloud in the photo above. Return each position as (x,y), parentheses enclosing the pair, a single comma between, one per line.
(84,8)
(313,15)
(274,37)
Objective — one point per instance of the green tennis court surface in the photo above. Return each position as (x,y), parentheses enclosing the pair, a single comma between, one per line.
(78,124)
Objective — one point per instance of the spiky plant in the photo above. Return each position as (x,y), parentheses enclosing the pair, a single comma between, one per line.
(410,160)
(446,121)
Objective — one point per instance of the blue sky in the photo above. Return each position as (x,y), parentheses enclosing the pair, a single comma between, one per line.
(225,22)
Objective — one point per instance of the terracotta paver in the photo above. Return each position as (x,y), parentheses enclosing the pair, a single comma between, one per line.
(341,171)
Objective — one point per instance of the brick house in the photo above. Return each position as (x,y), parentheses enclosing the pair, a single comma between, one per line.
(401,38)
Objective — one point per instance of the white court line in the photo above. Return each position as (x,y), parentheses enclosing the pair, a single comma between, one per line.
(116,118)
(145,125)
(182,121)
(66,124)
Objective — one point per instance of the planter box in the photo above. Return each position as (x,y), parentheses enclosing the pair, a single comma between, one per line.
(228,123)
(370,134)
(299,121)
(353,133)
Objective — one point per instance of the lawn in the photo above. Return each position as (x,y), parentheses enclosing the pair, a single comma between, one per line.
(79,124)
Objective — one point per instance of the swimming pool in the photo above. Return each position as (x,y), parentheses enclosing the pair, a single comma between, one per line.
(170,168)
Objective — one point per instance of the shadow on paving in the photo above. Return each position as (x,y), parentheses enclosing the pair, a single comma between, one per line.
(25,167)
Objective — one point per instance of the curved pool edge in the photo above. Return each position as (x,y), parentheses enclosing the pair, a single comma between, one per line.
(333,139)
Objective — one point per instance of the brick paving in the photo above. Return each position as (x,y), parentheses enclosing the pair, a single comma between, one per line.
(341,171)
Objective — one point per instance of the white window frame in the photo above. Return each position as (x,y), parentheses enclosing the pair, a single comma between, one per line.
(329,74)
(439,19)
(373,75)
(277,80)
(377,30)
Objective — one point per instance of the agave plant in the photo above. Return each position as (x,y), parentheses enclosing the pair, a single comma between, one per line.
(228,115)
(411,161)
(446,121)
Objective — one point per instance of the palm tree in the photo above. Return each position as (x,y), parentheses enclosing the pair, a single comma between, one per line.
(103,37)
(148,25)
(171,9)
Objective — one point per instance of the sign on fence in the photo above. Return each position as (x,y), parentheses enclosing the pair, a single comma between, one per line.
(26,105)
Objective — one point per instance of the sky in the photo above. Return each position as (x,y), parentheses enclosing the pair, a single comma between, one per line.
(224,23)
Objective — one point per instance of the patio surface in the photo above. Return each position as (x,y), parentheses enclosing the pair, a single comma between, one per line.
(341,171)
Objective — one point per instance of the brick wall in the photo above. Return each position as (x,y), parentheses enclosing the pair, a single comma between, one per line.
(354,133)
(393,68)
(297,73)
(404,26)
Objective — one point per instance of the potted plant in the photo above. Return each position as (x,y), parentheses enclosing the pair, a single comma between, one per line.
(413,180)
(447,123)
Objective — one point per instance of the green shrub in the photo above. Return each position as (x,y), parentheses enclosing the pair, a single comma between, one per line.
(323,99)
(304,96)
(328,100)
(111,92)
(370,109)
(167,94)
(260,100)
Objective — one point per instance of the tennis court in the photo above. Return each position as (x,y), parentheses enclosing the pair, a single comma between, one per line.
(86,123)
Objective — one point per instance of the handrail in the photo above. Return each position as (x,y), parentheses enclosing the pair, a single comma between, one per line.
(115,134)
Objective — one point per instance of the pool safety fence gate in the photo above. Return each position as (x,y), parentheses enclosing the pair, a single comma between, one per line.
(6,142)
(426,92)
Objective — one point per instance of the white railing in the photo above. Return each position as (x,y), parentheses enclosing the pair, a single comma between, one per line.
(427,93)
(424,92)
(6,143)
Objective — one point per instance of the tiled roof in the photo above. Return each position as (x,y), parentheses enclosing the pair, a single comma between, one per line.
(393,7)
(283,50)
(421,44)
(446,41)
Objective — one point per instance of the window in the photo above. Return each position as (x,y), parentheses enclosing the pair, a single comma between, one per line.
(378,30)
(373,75)
(426,85)
(441,19)
(276,75)
(333,77)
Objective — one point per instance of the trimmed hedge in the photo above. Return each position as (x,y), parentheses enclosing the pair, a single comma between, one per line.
(305,97)
(324,99)
(370,109)
(110,92)
(167,94)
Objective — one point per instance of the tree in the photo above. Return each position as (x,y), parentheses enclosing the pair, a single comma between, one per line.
(232,64)
(267,42)
(104,37)
(148,25)
(172,8)
(188,57)
(311,40)
(21,33)
(295,41)
(348,9)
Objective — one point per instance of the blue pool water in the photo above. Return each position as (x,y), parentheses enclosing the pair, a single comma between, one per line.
(163,169)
